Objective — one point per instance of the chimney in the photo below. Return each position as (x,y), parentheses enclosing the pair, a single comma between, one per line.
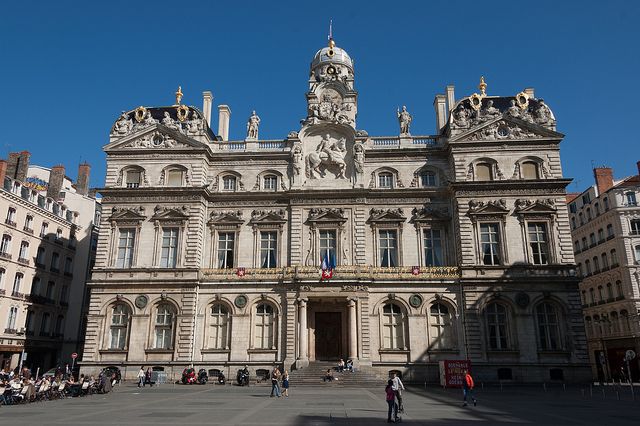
(22,168)
(82,182)
(604,178)
(451,97)
(529,91)
(56,179)
(224,114)
(440,105)
(3,172)
(207,100)
(12,164)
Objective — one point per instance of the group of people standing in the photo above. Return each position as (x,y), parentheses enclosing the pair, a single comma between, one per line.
(276,378)
(144,377)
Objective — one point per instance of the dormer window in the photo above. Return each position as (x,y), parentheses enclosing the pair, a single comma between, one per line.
(631,199)
(175,177)
(229,183)
(428,179)
(483,172)
(270,183)
(133,178)
(385,180)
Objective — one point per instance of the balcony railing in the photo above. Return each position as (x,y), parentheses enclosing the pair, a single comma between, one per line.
(23,260)
(10,331)
(341,272)
(4,255)
(17,294)
(27,230)
(10,222)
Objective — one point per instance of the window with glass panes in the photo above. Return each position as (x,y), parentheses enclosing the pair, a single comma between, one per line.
(169,251)
(631,199)
(428,179)
(12,318)
(219,321)
(385,180)
(635,227)
(490,243)
(328,243)
(126,242)
(538,242)
(263,336)
(433,252)
(226,246)
(393,327)
(119,326)
(441,331)
(268,249)
(174,177)
(229,183)
(548,327)
(17,282)
(388,243)
(133,179)
(5,245)
(497,325)
(270,182)
(164,327)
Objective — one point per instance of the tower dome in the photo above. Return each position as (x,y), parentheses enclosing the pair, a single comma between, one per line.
(331,55)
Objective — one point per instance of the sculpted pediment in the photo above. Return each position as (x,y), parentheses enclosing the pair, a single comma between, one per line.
(429,213)
(506,128)
(492,207)
(226,218)
(170,213)
(127,214)
(268,217)
(326,215)
(386,216)
(156,137)
(541,206)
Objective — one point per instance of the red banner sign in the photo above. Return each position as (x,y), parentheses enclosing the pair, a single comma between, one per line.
(451,372)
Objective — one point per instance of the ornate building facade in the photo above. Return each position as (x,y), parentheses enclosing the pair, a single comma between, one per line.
(449,246)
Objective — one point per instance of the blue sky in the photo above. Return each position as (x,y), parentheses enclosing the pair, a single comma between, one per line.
(69,68)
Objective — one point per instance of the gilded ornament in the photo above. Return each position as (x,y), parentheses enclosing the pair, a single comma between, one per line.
(182,112)
(522,100)
(178,95)
(483,87)
(140,114)
(476,101)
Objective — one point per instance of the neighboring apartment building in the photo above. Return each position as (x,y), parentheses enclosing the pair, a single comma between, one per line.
(605,223)
(449,246)
(44,260)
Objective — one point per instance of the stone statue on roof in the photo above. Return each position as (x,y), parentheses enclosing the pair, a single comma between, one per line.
(124,124)
(404,118)
(252,126)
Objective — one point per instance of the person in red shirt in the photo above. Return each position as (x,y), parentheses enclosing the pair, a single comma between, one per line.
(391,402)
(467,388)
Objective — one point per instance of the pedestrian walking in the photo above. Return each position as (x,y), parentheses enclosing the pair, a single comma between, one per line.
(467,389)
(141,377)
(391,402)
(398,387)
(147,378)
(275,378)
(285,383)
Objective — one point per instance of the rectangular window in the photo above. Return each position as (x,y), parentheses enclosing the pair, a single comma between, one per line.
(226,245)
(174,178)
(28,223)
(573,208)
(270,183)
(586,199)
(55,262)
(388,248)
(609,230)
(68,266)
(490,243)
(328,244)
(538,242)
(133,179)
(126,243)
(433,253)
(64,294)
(17,282)
(169,254)
(635,228)
(44,229)
(24,251)
(631,199)
(40,256)
(51,286)
(44,325)
(11,320)
(385,180)
(6,244)
(268,249)
(428,179)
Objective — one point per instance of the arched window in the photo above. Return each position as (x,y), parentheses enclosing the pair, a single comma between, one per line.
(174,177)
(605,261)
(619,291)
(600,294)
(529,170)
(119,326)
(609,230)
(615,322)
(592,296)
(219,326)
(392,327)
(597,329)
(270,183)
(548,327)
(637,250)
(497,316)
(596,264)
(229,183)
(428,178)
(385,180)
(264,329)
(588,326)
(17,283)
(164,327)
(609,291)
(614,258)
(441,327)
(587,265)
(483,172)
(5,245)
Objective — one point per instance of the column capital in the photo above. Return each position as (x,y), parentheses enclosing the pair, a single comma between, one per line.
(302,301)
(351,301)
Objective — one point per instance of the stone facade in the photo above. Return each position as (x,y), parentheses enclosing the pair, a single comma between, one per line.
(605,221)
(446,246)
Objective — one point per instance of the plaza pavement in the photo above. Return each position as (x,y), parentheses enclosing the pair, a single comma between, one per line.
(326,405)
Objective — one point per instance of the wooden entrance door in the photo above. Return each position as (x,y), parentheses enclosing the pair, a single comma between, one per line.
(328,335)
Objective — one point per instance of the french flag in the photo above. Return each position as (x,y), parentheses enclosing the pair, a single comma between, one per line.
(328,265)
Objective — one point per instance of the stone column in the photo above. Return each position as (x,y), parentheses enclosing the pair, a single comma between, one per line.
(353,330)
(303,333)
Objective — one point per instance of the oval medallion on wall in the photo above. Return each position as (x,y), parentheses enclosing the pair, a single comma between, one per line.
(415,300)
(522,300)
(141,301)
(241,301)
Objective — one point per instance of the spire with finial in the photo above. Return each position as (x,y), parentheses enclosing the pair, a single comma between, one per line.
(332,43)
(482,86)
(178,95)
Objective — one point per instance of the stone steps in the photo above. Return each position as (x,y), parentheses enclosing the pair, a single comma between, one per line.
(312,376)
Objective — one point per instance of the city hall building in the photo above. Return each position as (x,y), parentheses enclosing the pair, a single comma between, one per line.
(393,251)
